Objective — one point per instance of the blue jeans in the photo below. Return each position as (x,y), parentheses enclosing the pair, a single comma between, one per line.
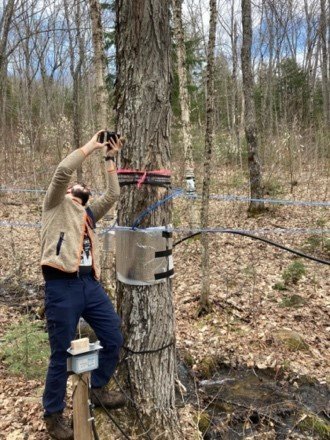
(65,301)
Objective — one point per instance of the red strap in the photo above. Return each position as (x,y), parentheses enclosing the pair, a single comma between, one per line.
(141,180)
(144,173)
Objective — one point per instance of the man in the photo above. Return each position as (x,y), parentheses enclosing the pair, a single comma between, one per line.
(70,265)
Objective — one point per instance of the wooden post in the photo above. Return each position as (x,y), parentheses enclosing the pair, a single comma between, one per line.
(81,414)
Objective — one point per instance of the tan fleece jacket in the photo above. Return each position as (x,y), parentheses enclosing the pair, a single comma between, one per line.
(64,219)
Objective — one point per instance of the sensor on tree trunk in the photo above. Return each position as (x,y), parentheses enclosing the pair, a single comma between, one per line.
(144,257)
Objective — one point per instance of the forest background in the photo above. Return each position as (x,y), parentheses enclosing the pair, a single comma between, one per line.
(260,297)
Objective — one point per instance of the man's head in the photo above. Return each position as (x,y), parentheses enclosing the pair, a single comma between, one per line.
(80,191)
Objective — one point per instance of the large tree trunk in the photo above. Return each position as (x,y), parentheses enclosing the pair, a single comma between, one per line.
(209,143)
(249,113)
(185,111)
(143,109)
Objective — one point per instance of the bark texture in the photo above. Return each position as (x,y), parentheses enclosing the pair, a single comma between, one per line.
(235,123)
(99,63)
(103,113)
(77,55)
(249,111)
(209,143)
(5,24)
(324,62)
(185,106)
(4,30)
(143,110)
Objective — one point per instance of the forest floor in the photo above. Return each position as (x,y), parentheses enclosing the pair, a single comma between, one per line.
(269,309)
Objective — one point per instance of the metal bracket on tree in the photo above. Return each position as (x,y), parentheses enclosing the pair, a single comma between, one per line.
(144,256)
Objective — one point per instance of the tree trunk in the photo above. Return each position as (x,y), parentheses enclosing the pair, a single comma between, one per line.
(324,64)
(235,90)
(143,110)
(189,166)
(75,70)
(249,113)
(99,63)
(209,144)
(101,109)
(328,30)
(4,31)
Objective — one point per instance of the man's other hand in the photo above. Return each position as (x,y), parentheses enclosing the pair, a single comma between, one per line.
(93,144)
(113,146)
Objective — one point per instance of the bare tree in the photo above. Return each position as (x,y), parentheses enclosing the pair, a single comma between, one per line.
(77,55)
(143,106)
(209,145)
(249,112)
(99,63)
(185,109)
(235,87)
(324,62)
(5,23)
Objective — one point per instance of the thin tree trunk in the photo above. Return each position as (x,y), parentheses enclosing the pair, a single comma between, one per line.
(75,70)
(99,63)
(4,31)
(189,166)
(249,114)
(143,110)
(324,64)
(310,44)
(209,144)
(235,90)
(328,30)
(269,114)
(101,110)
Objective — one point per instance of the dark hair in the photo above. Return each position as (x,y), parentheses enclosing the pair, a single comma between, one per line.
(83,194)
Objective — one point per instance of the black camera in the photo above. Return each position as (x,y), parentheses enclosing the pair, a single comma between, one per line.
(105,136)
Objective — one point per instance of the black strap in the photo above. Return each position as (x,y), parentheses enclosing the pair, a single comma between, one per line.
(165,253)
(167,234)
(167,274)
(161,184)
(155,350)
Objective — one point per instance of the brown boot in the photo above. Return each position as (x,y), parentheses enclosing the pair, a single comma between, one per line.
(58,427)
(109,399)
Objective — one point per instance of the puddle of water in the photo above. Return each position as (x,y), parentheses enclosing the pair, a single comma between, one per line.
(256,396)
